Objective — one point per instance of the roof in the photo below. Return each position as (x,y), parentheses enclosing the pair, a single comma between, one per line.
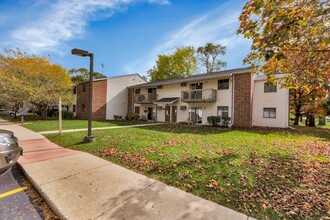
(263,77)
(167,100)
(112,77)
(197,77)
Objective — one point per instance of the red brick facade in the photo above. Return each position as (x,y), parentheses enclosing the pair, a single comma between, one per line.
(99,100)
(130,100)
(243,100)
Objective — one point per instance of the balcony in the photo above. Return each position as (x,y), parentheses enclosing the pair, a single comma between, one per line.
(145,98)
(199,95)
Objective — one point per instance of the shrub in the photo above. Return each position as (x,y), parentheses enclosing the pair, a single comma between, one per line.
(117,117)
(225,121)
(132,116)
(67,114)
(321,120)
(214,120)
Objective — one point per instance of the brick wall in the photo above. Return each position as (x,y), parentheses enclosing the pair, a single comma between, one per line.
(99,99)
(130,100)
(243,100)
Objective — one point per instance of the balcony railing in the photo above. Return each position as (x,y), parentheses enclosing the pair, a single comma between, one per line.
(145,98)
(199,95)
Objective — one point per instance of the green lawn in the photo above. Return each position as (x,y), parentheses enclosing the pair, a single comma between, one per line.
(267,174)
(37,124)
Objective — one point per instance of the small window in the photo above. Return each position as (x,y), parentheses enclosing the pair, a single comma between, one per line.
(73,108)
(137,110)
(84,87)
(195,86)
(75,90)
(223,111)
(270,88)
(137,91)
(159,86)
(83,108)
(269,112)
(152,90)
(183,84)
(223,84)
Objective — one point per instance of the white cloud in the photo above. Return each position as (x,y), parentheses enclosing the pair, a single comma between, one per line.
(161,2)
(218,26)
(65,20)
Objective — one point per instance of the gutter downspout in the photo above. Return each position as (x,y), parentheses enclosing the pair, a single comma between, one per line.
(231,77)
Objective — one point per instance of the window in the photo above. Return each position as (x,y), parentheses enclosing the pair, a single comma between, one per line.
(195,115)
(223,84)
(83,108)
(75,90)
(137,109)
(73,108)
(270,88)
(137,91)
(152,90)
(194,86)
(84,87)
(183,84)
(269,112)
(223,111)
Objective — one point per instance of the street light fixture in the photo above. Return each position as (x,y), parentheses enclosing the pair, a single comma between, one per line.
(84,53)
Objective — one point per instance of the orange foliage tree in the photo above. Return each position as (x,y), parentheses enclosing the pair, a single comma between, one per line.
(291,37)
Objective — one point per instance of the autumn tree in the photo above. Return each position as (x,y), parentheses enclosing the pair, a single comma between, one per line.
(181,63)
(82,74)
(15,69)
(290,37)
(32,79)
(208,56)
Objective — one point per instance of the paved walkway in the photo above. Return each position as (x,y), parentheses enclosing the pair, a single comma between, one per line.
(78,185)
(100,128)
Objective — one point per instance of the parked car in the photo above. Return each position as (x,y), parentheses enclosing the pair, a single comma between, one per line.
(9,150)
(5,112)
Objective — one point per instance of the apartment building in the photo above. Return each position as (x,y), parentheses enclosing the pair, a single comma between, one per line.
(244,97)
(109,97)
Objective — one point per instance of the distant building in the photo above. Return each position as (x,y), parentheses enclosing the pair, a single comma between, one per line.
(109,96)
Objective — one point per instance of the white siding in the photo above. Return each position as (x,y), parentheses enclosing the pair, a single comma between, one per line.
(278,100)
(208,109)
(117,94)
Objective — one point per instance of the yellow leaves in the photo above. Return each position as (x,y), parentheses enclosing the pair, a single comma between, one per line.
(38,79)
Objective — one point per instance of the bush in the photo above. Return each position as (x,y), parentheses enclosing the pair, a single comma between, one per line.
(321,121)
(117,117)
(67,115)
(132,116)
(214,120)
(225,121)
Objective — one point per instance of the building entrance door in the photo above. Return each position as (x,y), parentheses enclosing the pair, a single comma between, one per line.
(174,113)
(168,113)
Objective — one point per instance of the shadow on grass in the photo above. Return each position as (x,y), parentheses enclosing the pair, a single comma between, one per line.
(185,129)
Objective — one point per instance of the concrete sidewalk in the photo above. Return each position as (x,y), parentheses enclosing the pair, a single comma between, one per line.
(78,185)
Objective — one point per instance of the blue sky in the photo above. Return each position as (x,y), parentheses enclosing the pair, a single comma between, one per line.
(125,35)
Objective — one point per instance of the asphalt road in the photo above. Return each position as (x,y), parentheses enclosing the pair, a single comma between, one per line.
(19,199)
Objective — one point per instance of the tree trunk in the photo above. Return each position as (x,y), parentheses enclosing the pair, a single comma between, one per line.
(296,119)
(297,114)
(43,111)
(311,120)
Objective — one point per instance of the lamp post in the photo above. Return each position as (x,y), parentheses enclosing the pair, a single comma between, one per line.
(84,53)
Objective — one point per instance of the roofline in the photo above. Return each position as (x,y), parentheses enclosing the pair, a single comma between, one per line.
(112,77)
(198,77)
